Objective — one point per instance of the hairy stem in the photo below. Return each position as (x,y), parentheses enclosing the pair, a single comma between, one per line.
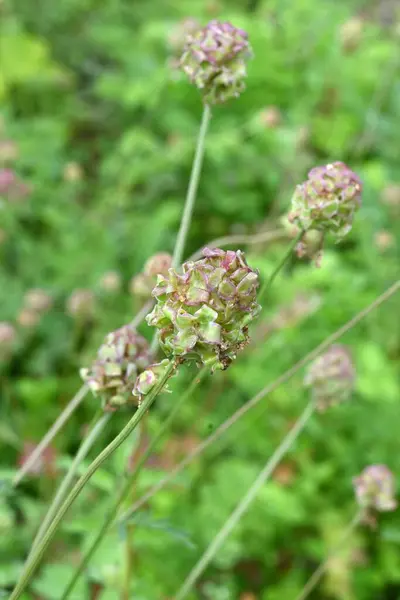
(40,549)
(192,189)
(314,579)
(243,410)
(113,511)
(244,504)
(66,482)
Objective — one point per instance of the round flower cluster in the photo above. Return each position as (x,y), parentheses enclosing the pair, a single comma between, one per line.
(214,59)
(331,377)
(374,488)
(120,359)
(203,313)
(327,201)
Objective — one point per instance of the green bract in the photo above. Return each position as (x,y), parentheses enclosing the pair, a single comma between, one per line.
(203,313)
(120,359)
(150,377)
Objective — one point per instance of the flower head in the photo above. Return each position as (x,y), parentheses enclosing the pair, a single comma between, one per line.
(214,59)
(143,283)
(328,200)
(374,488)
(38,300)
(123,355)
(331,377)
(204,312)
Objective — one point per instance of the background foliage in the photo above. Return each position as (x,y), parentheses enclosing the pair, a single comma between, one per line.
(99,129)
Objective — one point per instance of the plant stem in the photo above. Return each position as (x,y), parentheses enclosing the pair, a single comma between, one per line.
(192,189)
(312,582)
(66,482)
(50,435)
(243,410)
(113,511)
(66,414)
(244,504)
(269,281)
(40,549)
(230,240)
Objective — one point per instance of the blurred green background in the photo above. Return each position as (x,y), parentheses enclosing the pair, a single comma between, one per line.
(97,135)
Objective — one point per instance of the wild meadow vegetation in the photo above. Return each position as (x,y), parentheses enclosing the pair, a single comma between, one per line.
(199,300)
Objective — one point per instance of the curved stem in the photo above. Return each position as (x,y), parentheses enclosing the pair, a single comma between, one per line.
(80,484)
(243,410)
(192,189)
(269,281)
(228,240)
(66,482)
(316,576)
(50,435)
(113,511)
(244,504)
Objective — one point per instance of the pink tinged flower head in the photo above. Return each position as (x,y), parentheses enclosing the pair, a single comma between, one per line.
(328,200)
(123,355)
(375,488)
(203,312)
(331,377)
(214,59)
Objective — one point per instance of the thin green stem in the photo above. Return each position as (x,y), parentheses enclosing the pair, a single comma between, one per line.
(269,281)
(268,389)
(192,189)
(85,447)
(66,414)
(80,484)
(50,435)
(113,511)
(244,504)
(314,579)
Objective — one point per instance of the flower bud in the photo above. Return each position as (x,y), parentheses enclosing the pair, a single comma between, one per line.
(375,488)
(328,200)
(331,377)
(204,313)
(214,59)
(123,355)
(146,381)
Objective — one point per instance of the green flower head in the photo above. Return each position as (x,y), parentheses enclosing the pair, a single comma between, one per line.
(203,313)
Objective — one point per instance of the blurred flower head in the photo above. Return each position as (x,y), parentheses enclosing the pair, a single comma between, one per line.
(7,333)
(214,59)
(327,201)
(110,281)
(28,318)
(143,283)
(204,313)
(271,117)
(351,34)
(38,300)
(73,172)
(331,377)
(375,488)
(123,355)
(8,151)
(11,186)
(81,304)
